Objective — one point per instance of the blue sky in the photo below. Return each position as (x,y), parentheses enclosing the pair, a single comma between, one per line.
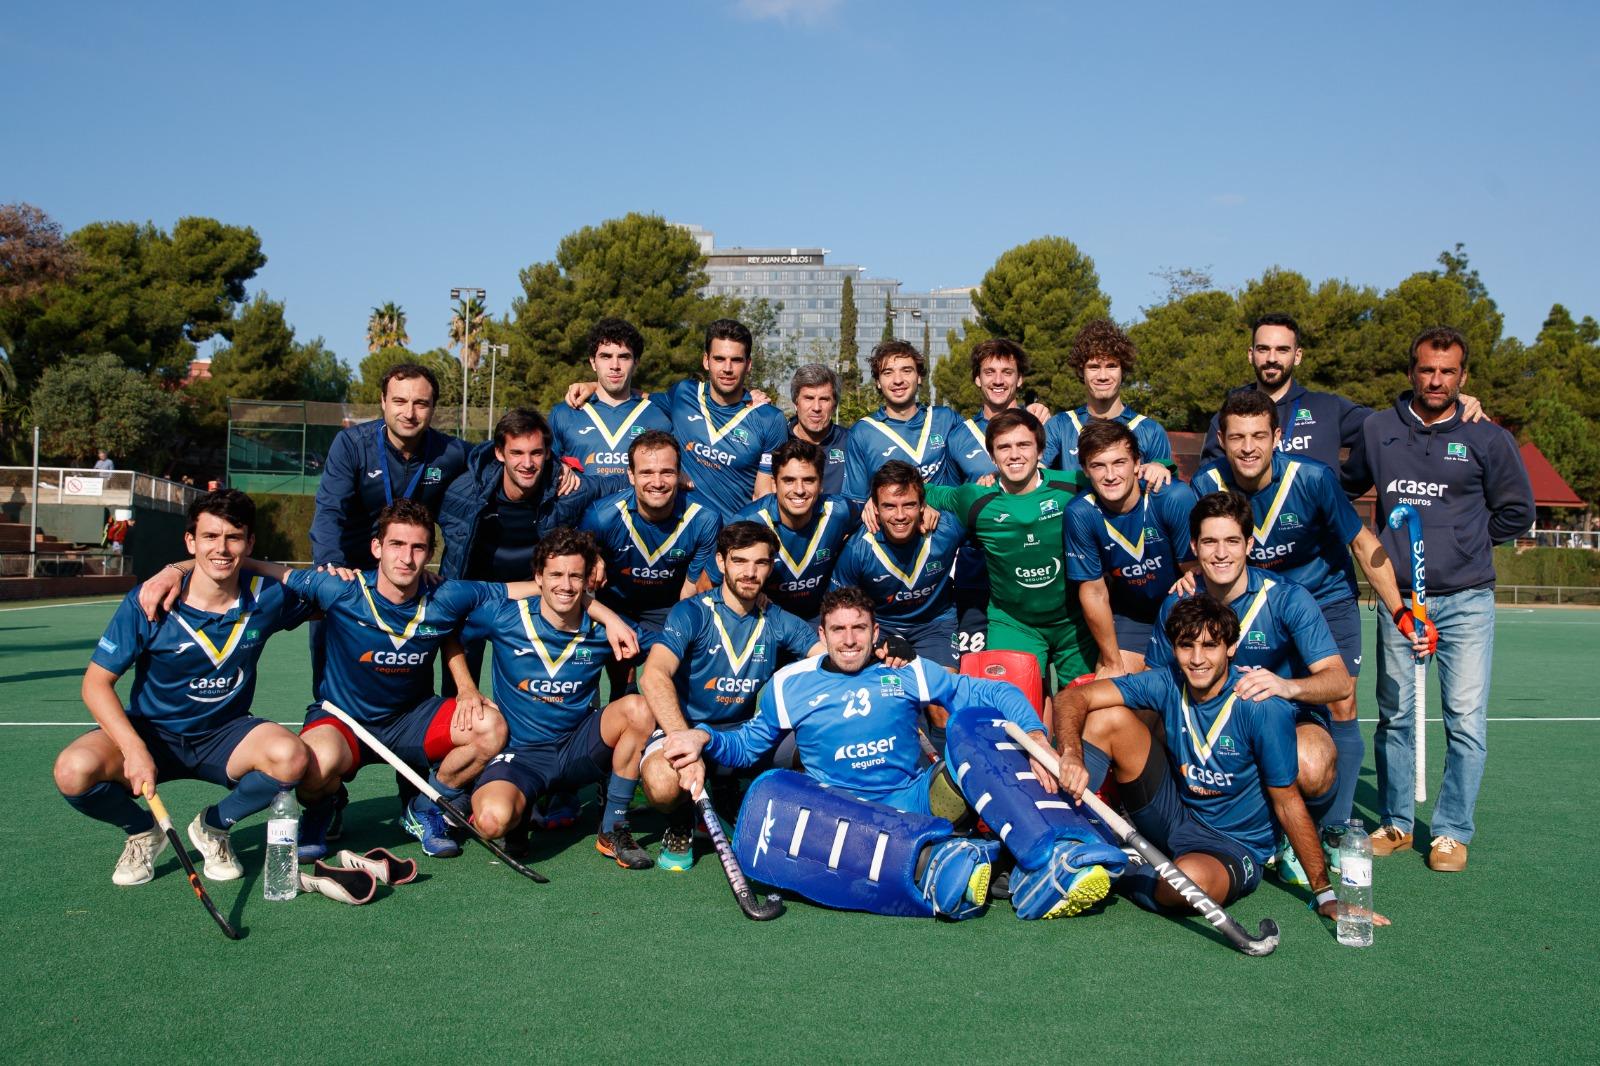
(394,151)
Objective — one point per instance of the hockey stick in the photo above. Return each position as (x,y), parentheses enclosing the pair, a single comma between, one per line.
(1266,938)
(159,809)
(432,793)
(1407,516)
(755,908)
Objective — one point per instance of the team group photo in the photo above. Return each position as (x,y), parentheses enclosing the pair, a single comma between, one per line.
(725,650)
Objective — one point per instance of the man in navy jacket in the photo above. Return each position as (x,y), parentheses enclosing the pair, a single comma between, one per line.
(1467,482)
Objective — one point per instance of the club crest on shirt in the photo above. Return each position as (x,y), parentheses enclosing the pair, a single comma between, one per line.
(1288,520)
(889,685)
(432,476)
(1302,417)
(1048,509)
(1456,452)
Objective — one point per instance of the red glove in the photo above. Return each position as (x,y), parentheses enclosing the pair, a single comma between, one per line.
(1406,622)
(574,462)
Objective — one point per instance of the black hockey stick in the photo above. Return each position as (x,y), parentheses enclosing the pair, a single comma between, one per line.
(755,908)
(159,809)
(1266,938)
(432,793)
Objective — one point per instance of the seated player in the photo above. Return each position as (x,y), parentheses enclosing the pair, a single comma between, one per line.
(1018,522)
(188,715)
(1211,779)
(1102,356)
(655,539)
(1125,546)
(855,725)
(547,663)
(715,651)
(811,529)
(1286,649)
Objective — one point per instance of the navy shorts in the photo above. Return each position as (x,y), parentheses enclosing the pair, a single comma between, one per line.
(972,620)
(1132,634)
(783,749)
(1344,619)
(935,641)
(1173,828)
(419,737)
(197,756)
(535,769)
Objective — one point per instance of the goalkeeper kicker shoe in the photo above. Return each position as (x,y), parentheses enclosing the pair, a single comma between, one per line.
(137,864)
(1075,879)
(956,879)
(216,849)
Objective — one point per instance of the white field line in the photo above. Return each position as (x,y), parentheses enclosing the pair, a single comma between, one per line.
(47,606)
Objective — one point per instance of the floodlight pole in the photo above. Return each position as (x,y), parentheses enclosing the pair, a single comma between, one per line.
(916,312)
(466,340)
(494,351)
(33,512)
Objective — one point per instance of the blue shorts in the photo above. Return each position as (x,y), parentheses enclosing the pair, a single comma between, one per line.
(1344,619)
(197,756)
(419,737)
(534,769)
(1168,823)
(935,641)
(912,797)
(1132,634)
(972,620)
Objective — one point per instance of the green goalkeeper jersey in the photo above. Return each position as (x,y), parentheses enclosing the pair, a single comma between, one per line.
(1023,543)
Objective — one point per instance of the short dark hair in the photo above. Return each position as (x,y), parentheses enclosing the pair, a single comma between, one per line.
(1276,319)
(615,331)
(655,440)
(745,534)
(812,375)
(1103,434)
(845,598)
(1201,615)
(1439,338)
(1000,348)
(897,473)
(230,505)
(1223,504)
(728,329)
(1246,403)
(794,449)
(566,541)
(405,512)
(1101,339)
(521,422)
(1006,421)
(892,349)
(405,371)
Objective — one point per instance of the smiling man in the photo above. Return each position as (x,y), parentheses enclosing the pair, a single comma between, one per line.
(815,393)
(1102,356)
(188,714)
(597,434)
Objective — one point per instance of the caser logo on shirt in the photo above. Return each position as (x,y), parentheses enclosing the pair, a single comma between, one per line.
(1424,492)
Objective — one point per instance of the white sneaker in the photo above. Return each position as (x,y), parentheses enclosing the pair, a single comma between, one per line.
(217,850)
(138,862)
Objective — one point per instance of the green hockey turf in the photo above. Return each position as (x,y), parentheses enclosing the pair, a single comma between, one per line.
(472,963)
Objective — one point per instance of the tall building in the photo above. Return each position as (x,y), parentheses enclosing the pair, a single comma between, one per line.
(809,289)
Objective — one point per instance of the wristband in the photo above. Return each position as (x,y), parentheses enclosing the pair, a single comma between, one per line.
(1327,895)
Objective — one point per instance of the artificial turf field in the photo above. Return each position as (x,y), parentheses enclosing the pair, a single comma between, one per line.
(472,963)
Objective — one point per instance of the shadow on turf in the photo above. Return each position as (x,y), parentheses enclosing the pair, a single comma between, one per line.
(45,675)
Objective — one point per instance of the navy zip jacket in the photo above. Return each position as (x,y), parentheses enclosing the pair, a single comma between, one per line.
(472,510)
(363,474)
(1315,425)
(1466,480)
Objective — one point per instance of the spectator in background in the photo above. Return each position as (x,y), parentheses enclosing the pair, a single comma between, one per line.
(104,462)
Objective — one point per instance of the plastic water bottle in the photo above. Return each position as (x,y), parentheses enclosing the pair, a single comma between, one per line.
(1355,886)
(282,880)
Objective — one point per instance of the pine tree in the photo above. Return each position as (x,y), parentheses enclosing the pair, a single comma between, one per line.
(849,365)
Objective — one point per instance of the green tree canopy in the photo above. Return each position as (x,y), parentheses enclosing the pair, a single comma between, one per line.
(92,402)
(369,376)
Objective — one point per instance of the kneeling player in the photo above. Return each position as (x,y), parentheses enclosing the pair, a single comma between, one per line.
(547,664)
(189,713)
(1211,798)
(855,726)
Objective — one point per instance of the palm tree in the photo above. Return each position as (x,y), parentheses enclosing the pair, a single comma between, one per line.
(386,328)
(467,322)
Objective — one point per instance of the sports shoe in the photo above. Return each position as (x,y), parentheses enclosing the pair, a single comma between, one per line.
(1390,839)
(138,861)
(1287,867)
(1447,855)
(316,828)
(677,846)
(620,845)
(559,811)
(432,828)
(216,849)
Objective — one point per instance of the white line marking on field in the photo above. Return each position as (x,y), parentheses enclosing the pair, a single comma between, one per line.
(47,606)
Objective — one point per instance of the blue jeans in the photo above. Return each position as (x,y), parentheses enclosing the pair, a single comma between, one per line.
(1466,646)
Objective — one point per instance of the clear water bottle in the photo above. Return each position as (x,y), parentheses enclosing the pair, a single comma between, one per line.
(1355,886)
(282,880)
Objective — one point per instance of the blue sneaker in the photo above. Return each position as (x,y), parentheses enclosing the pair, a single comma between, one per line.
(1077,877)
(430,826)
(956,880)
(314,826)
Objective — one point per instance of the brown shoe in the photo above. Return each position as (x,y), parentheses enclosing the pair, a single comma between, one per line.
(1447,855)
(1390,839)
